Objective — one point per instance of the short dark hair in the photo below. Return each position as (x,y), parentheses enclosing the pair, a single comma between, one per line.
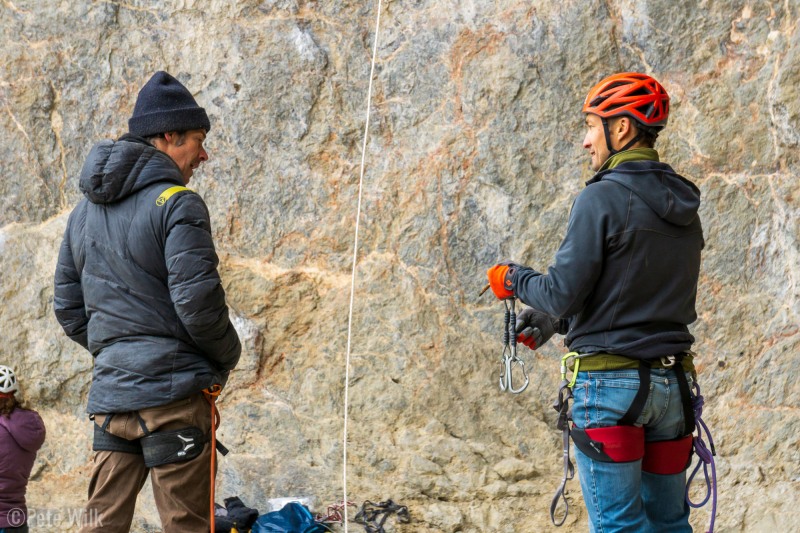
(152,138)
(649,134)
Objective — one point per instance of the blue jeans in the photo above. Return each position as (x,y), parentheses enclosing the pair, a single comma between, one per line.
(619,496)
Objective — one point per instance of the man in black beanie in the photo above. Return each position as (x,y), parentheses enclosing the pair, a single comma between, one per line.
(137,285)
(167,115)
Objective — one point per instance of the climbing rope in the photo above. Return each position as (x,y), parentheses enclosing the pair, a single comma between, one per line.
(335,511)
(211,395)
(355,257)
(705,457)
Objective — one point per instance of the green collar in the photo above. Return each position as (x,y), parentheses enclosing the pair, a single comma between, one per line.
(634,154)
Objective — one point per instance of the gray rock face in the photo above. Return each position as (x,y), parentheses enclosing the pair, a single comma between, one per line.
(473,156)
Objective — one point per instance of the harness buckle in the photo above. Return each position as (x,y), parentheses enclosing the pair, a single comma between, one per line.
(561,405)
(668,361)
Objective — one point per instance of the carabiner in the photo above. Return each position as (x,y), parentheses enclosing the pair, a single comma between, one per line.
(504,371)
(511,361)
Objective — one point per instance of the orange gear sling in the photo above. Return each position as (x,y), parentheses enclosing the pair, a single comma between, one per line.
(211,395)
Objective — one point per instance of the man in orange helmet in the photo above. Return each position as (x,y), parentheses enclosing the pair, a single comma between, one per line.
(623,288)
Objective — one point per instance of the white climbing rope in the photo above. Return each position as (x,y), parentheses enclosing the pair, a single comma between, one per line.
(355,257)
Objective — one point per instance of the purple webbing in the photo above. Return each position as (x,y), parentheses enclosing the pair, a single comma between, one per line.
(705,456)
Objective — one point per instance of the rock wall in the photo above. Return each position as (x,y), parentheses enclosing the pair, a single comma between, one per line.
(473,156)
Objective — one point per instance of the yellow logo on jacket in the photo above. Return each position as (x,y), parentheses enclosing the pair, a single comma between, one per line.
(166,195)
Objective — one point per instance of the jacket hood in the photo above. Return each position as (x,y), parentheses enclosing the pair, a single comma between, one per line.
(670,195)
(115,169)
(25,427)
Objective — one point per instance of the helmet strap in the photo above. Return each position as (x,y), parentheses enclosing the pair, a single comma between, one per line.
(630,143)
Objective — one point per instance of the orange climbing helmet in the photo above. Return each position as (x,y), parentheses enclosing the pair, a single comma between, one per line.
(632,94)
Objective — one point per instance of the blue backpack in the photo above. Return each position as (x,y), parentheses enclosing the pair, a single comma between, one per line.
(292,518)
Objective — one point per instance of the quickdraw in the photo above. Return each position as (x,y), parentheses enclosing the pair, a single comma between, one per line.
(374,515)
(510,359)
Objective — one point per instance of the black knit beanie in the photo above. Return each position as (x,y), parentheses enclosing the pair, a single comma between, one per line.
(163,105)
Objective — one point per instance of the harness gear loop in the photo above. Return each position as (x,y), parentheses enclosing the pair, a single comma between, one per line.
(510,359)
(562,406)
(211,394)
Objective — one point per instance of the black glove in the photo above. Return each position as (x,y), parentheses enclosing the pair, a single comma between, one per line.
(242,517)
(535,328)
(222,524)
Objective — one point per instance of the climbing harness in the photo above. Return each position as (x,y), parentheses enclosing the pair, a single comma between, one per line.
(510,359)
(211,394)
(705,458)
(167,447)
(373,516)
(625,441)
(355,257)
(157,448)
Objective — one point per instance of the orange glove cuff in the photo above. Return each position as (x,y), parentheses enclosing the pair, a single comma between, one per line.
(497,281)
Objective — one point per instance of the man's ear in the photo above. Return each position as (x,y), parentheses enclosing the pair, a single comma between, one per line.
(623,126)
(624,129)
(170,136)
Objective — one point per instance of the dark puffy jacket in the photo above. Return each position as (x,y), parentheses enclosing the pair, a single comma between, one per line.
(21,435)
(626,273)
(137,283)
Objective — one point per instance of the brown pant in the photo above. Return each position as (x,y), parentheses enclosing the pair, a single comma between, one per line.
(181,490)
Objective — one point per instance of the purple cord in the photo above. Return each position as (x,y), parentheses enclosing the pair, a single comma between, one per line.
(705,456)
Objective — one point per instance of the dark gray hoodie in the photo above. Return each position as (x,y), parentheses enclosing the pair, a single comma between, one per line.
(626,273)
(137,285)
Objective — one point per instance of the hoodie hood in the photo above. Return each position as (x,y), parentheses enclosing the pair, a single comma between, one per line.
(673,197)
(115,169)
(25,427)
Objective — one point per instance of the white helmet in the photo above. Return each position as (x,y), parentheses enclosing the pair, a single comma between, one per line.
(8,381)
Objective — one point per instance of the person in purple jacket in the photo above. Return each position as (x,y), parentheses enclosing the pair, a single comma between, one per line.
(21,435)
